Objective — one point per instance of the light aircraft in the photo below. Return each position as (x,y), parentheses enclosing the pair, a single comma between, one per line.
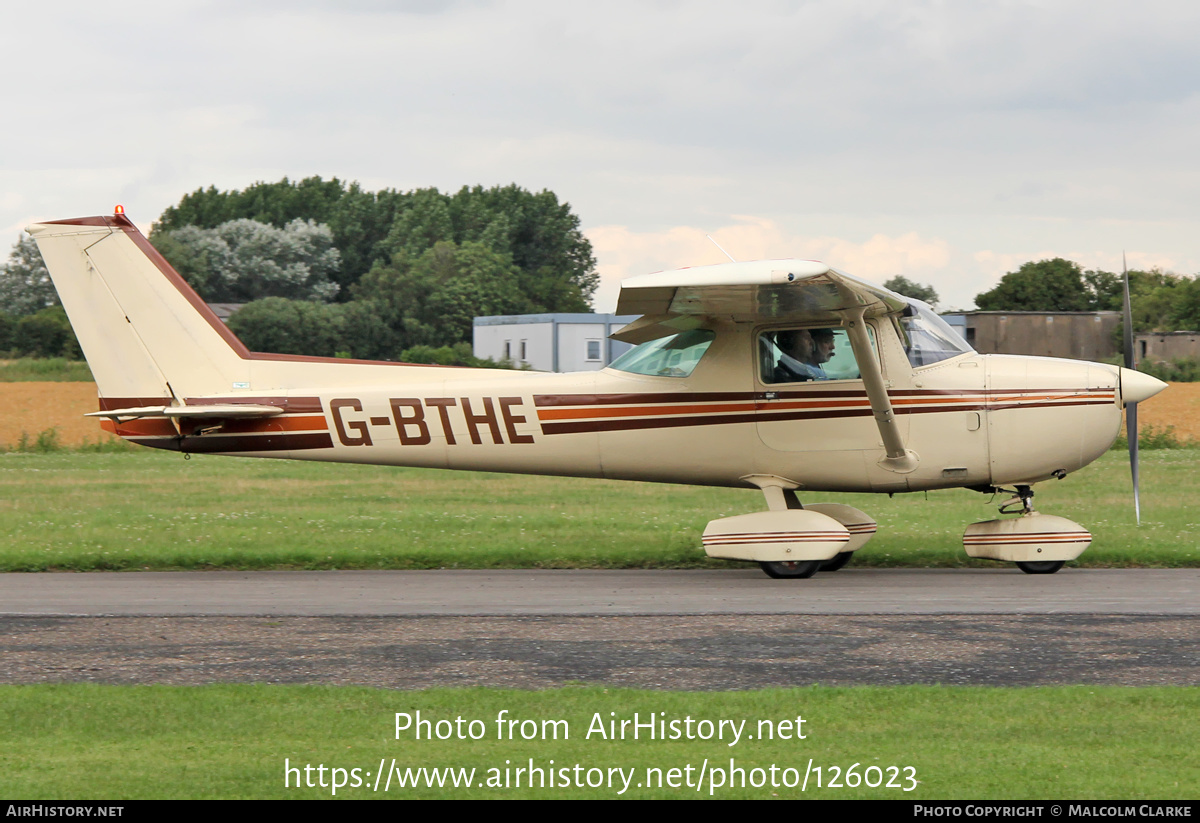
(784,375)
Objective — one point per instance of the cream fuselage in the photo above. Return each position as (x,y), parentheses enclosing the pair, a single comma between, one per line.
(972,420)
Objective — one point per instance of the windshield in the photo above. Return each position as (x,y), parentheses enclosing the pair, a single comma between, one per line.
(674,356)
(928,338)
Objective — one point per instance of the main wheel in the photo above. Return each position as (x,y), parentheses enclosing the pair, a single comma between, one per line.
(1041,566)
(791,569)
(836,562)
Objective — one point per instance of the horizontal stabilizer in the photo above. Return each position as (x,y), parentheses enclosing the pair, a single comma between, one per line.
(227,411)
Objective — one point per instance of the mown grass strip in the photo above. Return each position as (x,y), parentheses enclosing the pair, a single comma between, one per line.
(1082,742)
(149,510)
(38,369)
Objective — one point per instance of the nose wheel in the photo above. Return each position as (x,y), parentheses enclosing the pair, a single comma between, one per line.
(791,569)
(1041,566)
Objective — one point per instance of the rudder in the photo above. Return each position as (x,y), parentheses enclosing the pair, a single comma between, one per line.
(146,334)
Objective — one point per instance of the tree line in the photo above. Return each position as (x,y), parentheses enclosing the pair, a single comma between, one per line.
(1159,301)
(32,322)
(328,268)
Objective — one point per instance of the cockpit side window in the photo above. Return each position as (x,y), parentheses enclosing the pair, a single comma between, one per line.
(806,354)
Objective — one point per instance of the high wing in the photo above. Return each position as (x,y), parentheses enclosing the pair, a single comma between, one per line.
(760,290)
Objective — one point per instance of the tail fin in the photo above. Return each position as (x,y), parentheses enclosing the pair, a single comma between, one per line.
(145,333)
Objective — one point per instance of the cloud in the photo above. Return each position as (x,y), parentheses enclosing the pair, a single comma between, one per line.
(623,252)
(882,138)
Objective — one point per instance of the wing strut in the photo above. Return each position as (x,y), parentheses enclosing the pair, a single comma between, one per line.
(899,459)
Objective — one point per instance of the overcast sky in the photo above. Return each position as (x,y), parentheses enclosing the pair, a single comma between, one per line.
(945,141)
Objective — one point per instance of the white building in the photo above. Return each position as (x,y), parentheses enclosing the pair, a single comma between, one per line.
(552,342)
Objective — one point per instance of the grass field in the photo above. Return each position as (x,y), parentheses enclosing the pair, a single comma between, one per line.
(154,510)
(1084,742)
(140,509)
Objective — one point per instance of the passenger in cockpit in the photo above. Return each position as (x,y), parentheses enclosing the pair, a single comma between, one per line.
(796,361)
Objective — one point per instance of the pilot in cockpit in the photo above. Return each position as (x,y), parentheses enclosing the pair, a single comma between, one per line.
(822,350)
(796,360)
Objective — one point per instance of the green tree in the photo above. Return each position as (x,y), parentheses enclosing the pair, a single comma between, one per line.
(1153,298)
(1047,285)
(422,221)
(365,335)
(432,300)
(1106,290)
(460,354)
(360,222)
(8,325)
(909,288)
(46,333)
(539,234)
(25,286)
(276,324)
(275,203)
(1185,304)
(245,260)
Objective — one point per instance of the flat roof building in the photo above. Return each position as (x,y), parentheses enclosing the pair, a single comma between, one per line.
(1166,346)
(1078,335)
(551,342)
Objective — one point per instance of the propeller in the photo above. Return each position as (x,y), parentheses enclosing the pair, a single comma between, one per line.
(1131,421)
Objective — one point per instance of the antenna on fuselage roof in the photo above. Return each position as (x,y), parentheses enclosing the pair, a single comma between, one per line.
(718,245)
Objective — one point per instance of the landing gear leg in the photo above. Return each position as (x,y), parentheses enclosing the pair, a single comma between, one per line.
(1024,499)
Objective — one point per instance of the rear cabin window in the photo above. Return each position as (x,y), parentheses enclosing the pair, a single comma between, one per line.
(674,356)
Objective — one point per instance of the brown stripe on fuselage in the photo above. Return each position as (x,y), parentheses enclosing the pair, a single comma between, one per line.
(907,395)
(635,399)
(575,427)
(673,422)
(902,392)
(766,413)
(1009,406)
(635,411)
